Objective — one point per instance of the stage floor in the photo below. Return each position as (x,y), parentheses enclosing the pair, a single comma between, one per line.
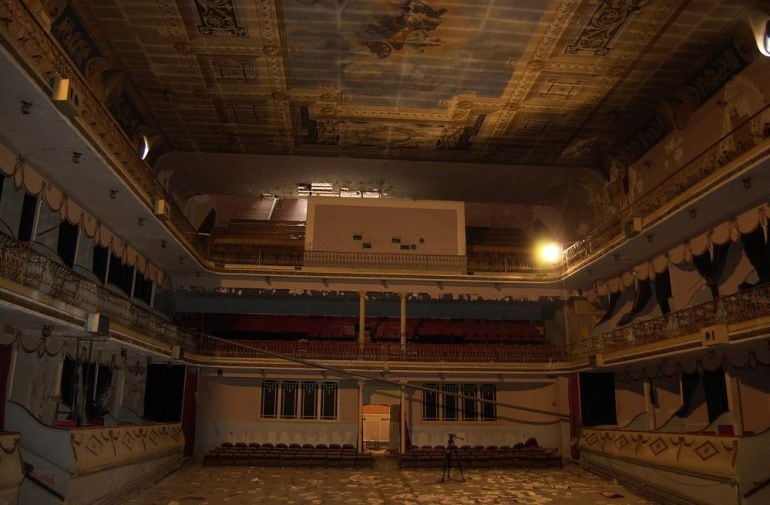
(382,485)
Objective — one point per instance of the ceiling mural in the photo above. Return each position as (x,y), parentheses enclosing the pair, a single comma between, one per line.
(523,82)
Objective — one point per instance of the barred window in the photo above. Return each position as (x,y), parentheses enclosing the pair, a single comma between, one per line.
(292,399)
(443,403)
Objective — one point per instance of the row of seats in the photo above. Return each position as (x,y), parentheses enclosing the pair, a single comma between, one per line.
(481,456)
(387,352)
(292,455)
(379,328)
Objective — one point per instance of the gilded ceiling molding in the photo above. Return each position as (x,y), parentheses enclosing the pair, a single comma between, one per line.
(218,17)
(607,20)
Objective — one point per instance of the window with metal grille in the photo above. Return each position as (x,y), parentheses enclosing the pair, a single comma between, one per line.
(293,399)
(459,402)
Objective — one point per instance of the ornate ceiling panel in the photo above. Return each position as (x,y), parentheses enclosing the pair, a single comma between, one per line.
(526,82)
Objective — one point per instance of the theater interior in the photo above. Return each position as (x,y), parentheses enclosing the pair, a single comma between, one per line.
(326,251)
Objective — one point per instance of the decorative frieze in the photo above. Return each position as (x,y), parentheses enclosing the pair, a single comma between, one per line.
(100,448)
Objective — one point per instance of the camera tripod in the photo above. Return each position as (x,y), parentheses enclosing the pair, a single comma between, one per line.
(452,454)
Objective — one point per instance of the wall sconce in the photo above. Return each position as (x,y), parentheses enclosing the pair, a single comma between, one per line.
(140,221)
(26,107)
(76,157)
(113,194)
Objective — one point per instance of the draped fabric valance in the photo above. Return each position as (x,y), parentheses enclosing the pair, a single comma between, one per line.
(724,233)
(33,182)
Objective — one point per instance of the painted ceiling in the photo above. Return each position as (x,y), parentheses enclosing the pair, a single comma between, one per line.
(536,83)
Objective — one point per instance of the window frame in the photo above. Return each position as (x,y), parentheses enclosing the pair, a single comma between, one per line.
(459,410)
(302,409)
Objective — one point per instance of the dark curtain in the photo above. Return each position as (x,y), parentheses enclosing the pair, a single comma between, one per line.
(758,252)
(716,393)
(208,224)
(614,297)
(27,221)
(99,262)
(68,242)
(120,274)
(163,393)
(6,352)
(710,267)
(597,399)
(188,410)
(663,290)
(143,288)
(690,383)
(642,296)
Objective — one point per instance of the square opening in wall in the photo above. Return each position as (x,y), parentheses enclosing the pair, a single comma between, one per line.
(358,237)
(395,240)
(366,245)
(422,240)
(404,247)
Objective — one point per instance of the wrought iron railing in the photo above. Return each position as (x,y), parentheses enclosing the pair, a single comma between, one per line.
(381,352)
(747,135)
(742,306)
(21,264)
(384,261)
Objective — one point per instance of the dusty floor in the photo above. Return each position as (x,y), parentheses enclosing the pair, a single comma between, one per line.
(383,485)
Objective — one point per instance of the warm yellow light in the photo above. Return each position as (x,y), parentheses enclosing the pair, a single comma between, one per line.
(549,252)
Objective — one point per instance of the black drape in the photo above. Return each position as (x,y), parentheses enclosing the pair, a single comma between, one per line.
(663,290)
(99,262)
(690,383)
(163,393)
(716,393)
(710,267)
(758,252)
(27,221)
(642,296)
(614,297)
(597,398)
(68,242)
(120,274)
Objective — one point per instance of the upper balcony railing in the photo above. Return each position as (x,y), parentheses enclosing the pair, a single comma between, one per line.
(21,264)
(736,308)
(667,194)
(353,351)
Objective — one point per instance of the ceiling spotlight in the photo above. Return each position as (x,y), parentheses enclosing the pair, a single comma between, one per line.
(616,256)
(144,148)
(140,220)
(692,213)
(26,107)
(181,260)
(548,252)
(650,238)
(113,194)
(746,183)
(76,157)
(163,244)
(767,37)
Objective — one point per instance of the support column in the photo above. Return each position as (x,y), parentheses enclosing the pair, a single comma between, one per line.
(733,386)
(649,403)
(402,438)
(403,321)
(361,318)
(360,440)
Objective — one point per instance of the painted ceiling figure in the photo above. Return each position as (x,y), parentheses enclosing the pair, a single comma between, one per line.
(407,25)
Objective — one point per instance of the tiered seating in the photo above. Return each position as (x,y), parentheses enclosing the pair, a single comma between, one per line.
(293,455)
(385,352)
(381,329)
(480,456)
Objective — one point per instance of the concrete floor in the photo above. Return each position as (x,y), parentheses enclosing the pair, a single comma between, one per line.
(383,485)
